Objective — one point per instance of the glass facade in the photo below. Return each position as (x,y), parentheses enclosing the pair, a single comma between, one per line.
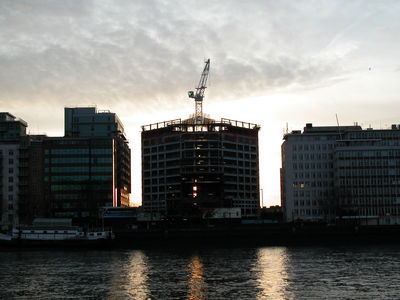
(79,180)
(88,121)
(72,176)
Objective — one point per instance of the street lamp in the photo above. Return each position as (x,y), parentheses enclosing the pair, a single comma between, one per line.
(262,198)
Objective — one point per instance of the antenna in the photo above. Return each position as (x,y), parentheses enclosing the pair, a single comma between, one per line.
(337,121)
(199,95)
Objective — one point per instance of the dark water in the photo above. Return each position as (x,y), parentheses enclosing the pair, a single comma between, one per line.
(241,273)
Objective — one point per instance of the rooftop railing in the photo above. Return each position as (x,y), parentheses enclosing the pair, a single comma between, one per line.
(208,122)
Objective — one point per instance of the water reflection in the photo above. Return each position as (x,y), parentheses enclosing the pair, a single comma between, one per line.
(247,273)
(130,281)
(272,270)
(137,277)
(196,279)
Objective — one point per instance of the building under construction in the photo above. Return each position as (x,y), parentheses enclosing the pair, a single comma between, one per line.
(191,166)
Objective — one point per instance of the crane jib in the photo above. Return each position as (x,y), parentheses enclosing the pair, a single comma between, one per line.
(199,95)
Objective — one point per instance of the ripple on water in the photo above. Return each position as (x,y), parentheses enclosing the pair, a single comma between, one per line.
(248,273)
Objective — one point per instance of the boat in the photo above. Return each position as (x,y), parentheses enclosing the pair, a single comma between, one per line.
(55,232)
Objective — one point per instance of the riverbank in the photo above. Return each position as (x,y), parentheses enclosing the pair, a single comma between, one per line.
(233,235)
(264,235)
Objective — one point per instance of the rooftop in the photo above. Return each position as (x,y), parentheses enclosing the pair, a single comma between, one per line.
(309,129)
(7,117)
(207,125)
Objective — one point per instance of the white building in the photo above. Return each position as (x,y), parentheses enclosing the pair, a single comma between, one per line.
(11,130)
(341,173)
(367,176)
(9,184)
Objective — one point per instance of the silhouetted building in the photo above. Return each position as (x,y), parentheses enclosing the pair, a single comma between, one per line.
(189,167)
(36,205)
(72,176)
(89,168)
(367,176)
(89,122)
(13,167)
(341,173)
(80,176)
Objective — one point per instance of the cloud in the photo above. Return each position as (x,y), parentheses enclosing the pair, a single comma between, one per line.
(151,52)
(139,58)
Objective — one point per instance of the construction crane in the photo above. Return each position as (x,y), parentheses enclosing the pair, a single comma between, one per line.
(199,95)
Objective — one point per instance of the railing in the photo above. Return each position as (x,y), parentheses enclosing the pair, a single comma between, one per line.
(161,124)
(200,127)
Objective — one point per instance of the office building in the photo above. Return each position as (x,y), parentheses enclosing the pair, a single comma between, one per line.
(72,176)
(36,206)
(80,176)
(88,168)
(341,173)
(90,122)
(13,167)
(367,176)
(190,166)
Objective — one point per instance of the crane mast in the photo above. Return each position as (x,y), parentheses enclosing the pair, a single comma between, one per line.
(199,94)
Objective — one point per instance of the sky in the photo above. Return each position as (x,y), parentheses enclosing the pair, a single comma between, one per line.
(280,64)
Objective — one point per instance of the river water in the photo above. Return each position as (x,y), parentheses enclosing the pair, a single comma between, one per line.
(362,272)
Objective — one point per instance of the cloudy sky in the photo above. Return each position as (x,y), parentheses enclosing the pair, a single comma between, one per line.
(272,63)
